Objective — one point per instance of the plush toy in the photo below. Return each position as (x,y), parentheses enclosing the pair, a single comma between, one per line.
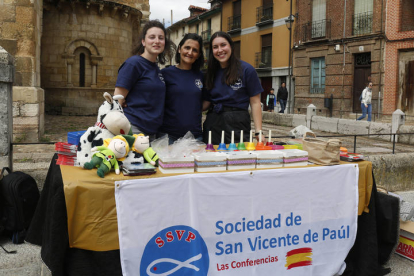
(111,121)
(105,158)
(142,145)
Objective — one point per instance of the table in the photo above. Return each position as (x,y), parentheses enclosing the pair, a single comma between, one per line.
(50,227)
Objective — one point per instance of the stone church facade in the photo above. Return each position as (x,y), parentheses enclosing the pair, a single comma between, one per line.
(67,53)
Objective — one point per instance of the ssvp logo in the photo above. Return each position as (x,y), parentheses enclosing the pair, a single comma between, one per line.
(176,250)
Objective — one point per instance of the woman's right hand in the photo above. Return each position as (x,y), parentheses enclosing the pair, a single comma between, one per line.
(123,103)
(124,92)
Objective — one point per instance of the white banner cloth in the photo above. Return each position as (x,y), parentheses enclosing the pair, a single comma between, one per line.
(298,221)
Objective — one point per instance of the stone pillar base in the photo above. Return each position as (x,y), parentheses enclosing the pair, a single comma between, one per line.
(28,113)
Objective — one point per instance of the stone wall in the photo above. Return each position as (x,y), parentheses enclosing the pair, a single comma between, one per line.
(74,101)
(105,39)
(6,121)
(104,35)
(20,33)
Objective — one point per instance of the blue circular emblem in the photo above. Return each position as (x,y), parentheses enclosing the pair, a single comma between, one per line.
(237,85)
(199,84)
(176,250)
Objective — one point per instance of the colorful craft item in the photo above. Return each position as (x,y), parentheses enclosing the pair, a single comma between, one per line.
(232,146)
(210,146)
(269,142)
(250,146)
(260,145)
(222,146)
(241,145)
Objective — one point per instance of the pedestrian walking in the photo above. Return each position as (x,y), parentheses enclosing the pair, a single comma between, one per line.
(184,82)
(231,86)
(366,106)
(141,82)
(271,100)
(282,95)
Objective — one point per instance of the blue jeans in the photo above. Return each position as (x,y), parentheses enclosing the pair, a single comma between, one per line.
(366,110)
(282,106)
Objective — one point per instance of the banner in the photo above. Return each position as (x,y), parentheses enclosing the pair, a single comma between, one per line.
(297,221)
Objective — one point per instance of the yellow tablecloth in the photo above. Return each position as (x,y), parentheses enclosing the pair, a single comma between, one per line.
(91,210)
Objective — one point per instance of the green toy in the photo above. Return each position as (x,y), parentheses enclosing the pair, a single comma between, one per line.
(105,158)
(141,145)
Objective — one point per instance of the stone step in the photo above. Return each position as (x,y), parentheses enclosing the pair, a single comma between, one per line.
(32,157)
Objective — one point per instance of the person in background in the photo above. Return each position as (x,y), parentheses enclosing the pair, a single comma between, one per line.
(184,82)
(282,96)
(366,102)
(231,85)
(141,83)
(271,100)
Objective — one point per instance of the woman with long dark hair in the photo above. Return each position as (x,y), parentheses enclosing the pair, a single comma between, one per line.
(231,86)
(141,82)
(183,102)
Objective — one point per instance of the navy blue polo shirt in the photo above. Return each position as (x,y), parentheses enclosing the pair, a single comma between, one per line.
(236,95)
(183,102)
(146,96)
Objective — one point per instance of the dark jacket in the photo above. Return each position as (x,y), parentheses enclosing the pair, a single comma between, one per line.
(282,93)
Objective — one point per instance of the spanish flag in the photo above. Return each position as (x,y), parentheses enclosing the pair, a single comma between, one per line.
(299,257)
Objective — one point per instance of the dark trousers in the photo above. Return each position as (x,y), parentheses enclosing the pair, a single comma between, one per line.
(227,121)
(282,106)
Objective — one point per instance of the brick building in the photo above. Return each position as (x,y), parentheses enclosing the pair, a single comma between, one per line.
(338,48)
(399,57)
(261,38)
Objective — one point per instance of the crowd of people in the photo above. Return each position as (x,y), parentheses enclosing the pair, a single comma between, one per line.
(171,101)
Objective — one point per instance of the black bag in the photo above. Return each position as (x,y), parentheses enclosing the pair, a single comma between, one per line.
(18,200)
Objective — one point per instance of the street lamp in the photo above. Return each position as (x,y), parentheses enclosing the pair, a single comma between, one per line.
(289,21)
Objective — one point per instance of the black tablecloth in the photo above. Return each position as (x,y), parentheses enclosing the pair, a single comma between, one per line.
(377,235)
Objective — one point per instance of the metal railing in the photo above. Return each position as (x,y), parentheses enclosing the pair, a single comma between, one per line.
(314,30)
(206,35)
(263,59)
(355,136)
(234,23)
(362,23)
(264,13)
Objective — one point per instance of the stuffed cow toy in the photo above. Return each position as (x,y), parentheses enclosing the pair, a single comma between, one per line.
(111,121)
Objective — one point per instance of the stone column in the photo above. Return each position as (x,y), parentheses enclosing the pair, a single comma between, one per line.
(398,119)
(6,108)
(93,85)
(94,61)
(310,112)
(70,61)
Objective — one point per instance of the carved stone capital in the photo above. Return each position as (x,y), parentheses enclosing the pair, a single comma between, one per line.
(70,59)
(96,59)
